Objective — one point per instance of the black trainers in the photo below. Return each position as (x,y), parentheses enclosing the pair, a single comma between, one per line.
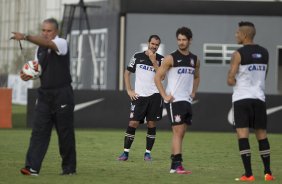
(29,171)
(65,173)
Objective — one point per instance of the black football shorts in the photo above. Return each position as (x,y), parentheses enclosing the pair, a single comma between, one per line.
(179,112)
(250,113)
(150,107)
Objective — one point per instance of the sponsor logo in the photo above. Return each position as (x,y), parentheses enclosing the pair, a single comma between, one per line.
(32,170)
(256,55)
(257,68)
(87,104)
(186,71)
(63,106)
(179,60)
(146,67)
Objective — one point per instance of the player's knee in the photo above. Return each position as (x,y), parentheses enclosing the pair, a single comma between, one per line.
(133,124)
(151,124)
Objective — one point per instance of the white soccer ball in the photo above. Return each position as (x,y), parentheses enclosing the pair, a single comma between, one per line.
(32,69)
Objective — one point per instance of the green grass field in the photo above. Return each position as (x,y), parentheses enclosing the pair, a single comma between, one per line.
(19,116)
(212,157)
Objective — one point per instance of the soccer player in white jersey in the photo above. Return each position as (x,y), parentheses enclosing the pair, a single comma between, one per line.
(247,73)
(146,102)
(183,75)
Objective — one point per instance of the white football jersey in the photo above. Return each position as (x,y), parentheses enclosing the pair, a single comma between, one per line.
(141,65)
(181,76)
(250,79)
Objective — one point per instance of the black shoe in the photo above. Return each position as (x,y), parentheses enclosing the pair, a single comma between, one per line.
(29,171)
(64,173)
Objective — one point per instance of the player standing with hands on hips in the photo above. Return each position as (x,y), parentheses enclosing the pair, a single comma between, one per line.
(55,102)
(183,75)
(247,73)
(146,102)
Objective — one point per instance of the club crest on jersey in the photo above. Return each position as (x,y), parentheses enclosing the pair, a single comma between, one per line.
(192,62)
(177,118)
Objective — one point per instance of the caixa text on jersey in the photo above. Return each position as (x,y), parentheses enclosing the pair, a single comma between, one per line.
(186,71)
(257,67)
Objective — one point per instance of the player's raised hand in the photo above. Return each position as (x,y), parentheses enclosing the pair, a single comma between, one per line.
(18,36)
(152,56)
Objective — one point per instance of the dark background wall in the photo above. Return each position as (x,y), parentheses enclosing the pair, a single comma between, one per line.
(212,22)
(207,29)
(103,24)
(202,7)
(210,110)
(107,16)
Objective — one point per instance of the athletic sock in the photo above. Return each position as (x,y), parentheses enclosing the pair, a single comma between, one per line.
(150,138)
(176,160)
(264,150)
(148,151)
(129,138)
(172,166)
(245,153)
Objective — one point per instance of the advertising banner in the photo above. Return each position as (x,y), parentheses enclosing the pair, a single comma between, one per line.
(110,109)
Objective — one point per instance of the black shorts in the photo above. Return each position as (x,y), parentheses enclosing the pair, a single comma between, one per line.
(179,112)
(150,107)
(250,113)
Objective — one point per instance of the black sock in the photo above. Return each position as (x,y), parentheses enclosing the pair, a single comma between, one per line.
(150,138)
(129,137)
(245,153)
(172,166)
(176,160)
(264,150)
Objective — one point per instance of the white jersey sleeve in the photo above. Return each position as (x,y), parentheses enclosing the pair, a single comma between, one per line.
(35,55)
(61,44)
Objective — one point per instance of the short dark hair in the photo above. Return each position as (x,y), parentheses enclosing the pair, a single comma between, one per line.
(184,31)
(250,31)
(154,36)
(246,23)
(52,21)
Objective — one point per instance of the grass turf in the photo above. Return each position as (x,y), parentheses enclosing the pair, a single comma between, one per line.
(19,116)
(212,157)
